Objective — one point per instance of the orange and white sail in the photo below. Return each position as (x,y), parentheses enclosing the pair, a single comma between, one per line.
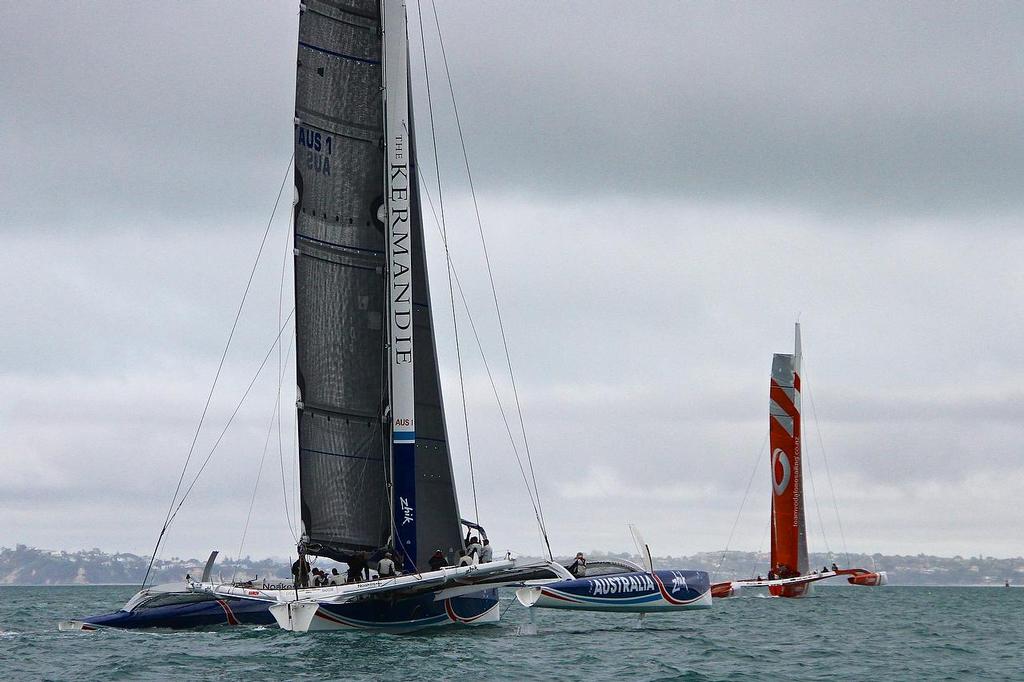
(789,533)
(790,574)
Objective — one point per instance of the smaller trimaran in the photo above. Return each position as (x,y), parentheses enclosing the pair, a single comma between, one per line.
(791,575)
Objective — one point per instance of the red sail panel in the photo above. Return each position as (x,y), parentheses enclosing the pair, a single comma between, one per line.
(789,536)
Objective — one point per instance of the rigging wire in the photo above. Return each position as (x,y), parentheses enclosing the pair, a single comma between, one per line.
(490,275)
(746,493)
(448,261)
(814,493)
(295,481)
(284,488)
(276,413)
(494,388)
(232,417)
(256,486)
(828,473)
(216,378)
(293,529)
(760,547)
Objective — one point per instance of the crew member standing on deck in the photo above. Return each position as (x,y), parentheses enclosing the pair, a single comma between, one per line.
(356,566)
(437,561)
(386,566)
(300,571)
(474,547)
(579,566)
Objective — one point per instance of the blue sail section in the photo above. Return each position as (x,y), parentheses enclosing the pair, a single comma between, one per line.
(404,458)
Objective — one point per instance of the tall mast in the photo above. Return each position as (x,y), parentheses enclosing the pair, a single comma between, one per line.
(399,278)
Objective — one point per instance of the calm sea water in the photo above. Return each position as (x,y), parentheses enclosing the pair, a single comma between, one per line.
(843,633)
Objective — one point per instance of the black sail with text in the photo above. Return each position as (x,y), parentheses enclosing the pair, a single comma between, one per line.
(340,295)
(339,278)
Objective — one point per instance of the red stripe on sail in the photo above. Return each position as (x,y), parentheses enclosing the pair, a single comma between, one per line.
(779,396)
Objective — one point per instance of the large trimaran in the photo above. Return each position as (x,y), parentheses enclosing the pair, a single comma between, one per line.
(790,574)
(374,465)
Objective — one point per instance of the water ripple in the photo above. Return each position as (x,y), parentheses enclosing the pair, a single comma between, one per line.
(845,633)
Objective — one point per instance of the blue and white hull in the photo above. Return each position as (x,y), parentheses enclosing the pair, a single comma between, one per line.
(176,610)
(408,614)
(637,592)
(189,610)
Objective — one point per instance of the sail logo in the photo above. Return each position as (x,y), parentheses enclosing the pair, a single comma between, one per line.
(678,582)
(621,584)
(407,510)
(401,278)
(317,149)
(780,460)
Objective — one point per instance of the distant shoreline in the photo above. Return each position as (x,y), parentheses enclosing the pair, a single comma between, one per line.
(25,566)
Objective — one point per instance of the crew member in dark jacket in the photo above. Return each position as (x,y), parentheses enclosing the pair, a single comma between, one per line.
(300,571)
(357,567)
(579,566)
(437,561)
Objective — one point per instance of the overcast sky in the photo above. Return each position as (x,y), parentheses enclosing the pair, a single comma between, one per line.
(665,188)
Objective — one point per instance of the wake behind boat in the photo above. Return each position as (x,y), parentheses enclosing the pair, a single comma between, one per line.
(790,574)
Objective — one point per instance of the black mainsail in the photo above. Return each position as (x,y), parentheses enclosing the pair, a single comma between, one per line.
(342,323)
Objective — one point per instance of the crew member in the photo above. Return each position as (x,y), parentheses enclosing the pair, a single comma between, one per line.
(487,552)
(579,566)
(437,561)
(300,571)
(336,578)
(386,566)
(356,567)
(474,547)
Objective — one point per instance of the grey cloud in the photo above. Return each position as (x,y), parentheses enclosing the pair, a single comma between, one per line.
(851,108)
(135,112)
(664,190)
(846,107)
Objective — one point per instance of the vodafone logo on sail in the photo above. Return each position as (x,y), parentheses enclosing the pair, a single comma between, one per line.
(780,458)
